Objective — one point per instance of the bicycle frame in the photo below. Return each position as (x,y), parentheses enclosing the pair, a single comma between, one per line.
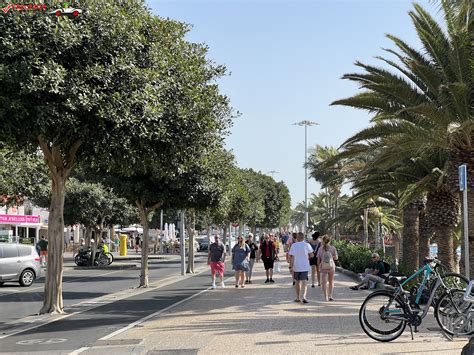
(427,270)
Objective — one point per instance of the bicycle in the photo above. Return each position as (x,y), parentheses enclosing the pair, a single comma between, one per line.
(384,314)
(454,312)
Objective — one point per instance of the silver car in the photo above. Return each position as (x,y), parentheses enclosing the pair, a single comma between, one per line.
(19,263)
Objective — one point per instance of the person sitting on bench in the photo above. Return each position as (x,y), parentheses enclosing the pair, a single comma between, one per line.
(374,274)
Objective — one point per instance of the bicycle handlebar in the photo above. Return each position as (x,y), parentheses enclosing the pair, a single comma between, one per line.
(467,294)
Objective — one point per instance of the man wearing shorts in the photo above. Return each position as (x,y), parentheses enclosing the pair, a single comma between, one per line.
(216,259)
(43,247)
(300,252)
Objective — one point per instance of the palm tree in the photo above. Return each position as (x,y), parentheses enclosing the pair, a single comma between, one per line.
(428,100)
(329,175)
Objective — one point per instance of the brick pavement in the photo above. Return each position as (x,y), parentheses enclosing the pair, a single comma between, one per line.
(262,318)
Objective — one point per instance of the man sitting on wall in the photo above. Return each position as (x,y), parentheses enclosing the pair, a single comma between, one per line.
(373,274)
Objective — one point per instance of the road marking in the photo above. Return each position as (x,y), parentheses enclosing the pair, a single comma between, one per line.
(114,297)
(78,351)
(41,341)
(144,319)
(37,325)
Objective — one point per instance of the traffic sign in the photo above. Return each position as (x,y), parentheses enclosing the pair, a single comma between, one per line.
(462,169)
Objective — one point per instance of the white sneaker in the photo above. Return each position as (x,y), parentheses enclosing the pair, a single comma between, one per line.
(222,284)
(213,286)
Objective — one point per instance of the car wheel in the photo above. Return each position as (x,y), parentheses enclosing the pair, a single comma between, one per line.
(27,277)
(1,283)
(75,13)
(58,13)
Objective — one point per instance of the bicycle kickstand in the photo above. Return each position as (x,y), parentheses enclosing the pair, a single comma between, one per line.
(411,331)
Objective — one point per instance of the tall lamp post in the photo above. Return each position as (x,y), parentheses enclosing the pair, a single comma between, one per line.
(305,123)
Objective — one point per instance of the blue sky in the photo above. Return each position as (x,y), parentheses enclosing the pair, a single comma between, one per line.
(285,60)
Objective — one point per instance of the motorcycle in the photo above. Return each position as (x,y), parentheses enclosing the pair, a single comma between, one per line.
(102,258)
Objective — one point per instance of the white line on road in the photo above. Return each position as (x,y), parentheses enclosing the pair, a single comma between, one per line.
(78,351)
(114,297)
(144,319)
(36,326)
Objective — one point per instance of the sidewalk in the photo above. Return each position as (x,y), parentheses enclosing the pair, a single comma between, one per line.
(262,318)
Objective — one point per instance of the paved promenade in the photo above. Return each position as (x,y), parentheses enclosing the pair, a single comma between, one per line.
(262,318)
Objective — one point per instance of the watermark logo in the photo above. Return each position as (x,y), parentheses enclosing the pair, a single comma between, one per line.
(25,7)
(62,9)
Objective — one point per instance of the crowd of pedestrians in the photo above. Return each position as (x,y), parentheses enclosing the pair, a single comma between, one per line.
(313,256)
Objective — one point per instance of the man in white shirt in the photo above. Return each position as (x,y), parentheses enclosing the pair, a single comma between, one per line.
(299,254)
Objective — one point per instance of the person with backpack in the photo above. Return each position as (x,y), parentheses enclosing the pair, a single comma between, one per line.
(327,255)
(315,243)
(373,274)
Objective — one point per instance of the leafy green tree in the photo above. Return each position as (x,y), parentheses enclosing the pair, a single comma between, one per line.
(111,86)
(21,176)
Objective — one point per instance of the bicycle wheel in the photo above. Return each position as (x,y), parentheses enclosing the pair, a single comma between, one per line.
(452,280)
(102,260)
(454,315)
(110,258)
(383,317)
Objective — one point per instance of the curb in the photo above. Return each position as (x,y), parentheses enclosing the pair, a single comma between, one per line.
(349,273)
(109,267)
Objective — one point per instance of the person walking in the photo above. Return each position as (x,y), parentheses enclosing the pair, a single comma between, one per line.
(43,247)
(240,261)
(137,243)
(216,260)
(289,242)
(315,243)
(253,251)
(268,256)
(327,255)
(299,254)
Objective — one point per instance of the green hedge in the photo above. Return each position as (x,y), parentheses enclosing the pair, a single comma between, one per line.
(355,257)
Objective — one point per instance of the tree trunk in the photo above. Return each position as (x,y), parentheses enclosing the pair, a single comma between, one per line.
(425,237)
(442,208)
(144,263)
(53,287)
(224,236)
(410,246)
(191,231)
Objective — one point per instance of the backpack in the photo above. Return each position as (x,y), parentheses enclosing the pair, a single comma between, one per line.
(327,262)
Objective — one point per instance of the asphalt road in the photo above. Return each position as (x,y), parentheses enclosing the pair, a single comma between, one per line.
(85,329)
(81,285)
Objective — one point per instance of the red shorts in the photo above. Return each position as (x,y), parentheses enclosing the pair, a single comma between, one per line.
(43,253)
(217,267)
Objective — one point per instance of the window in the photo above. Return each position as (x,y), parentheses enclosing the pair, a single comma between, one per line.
(9,251)
(24,251)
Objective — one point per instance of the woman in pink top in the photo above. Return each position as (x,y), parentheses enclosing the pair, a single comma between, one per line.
(327,254)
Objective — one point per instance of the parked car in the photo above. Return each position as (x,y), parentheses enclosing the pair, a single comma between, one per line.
(203,244)
(19,263)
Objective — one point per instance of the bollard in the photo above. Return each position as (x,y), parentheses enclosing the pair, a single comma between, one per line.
(123,244)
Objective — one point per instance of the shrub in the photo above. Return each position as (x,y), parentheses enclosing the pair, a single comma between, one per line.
(355,257)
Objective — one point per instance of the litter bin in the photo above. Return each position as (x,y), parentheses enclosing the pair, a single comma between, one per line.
(123,245)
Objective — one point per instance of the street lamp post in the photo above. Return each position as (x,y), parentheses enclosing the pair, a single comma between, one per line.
(305,123)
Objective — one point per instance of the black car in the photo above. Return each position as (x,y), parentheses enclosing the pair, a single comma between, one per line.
(203,244)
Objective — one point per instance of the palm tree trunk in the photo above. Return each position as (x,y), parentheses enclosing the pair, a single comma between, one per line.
(442,208)
(410,237)
(425,237)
